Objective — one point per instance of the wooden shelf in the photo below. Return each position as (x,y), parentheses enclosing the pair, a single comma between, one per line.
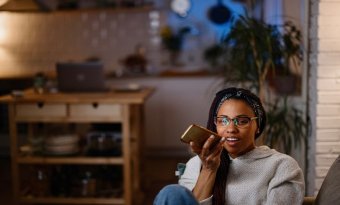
(136,9)
(122,107)
(68,119)
(71,160)
(79,5)
(58,200)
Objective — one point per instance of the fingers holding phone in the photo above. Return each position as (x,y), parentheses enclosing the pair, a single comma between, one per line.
(210,153)
(200,137)
(209,144)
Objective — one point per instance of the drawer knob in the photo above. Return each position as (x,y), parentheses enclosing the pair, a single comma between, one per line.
(95,105)
(40,104)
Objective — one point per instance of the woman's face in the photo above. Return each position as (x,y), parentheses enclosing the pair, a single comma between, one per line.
(239,140)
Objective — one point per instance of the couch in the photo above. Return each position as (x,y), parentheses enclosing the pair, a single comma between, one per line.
(329,193)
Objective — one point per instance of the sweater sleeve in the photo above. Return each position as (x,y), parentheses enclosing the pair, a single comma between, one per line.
(287,185)
(191,173)
(190,177)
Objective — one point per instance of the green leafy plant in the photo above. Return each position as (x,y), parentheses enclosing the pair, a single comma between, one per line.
(214,56)
(256,50)
(172,40)
(255,53)
(286,126)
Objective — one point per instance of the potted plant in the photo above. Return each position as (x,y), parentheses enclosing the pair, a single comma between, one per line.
(257,52)
(289,58)
(173,42)
(214,55)
(287,127)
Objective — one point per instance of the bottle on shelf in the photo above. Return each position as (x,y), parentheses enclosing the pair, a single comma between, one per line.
(62,180)
(88,185)
(40,184)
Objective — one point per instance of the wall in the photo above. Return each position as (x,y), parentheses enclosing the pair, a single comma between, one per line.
(32,42)
(176,103)
(324,89)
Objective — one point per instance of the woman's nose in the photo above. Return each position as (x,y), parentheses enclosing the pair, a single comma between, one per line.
(231,128)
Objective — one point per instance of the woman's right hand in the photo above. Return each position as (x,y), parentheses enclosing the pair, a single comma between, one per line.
(210,158)
(209,153)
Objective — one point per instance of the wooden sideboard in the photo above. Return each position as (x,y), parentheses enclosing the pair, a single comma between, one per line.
(125,108)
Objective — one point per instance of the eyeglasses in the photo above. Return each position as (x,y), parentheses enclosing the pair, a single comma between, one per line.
(240,122)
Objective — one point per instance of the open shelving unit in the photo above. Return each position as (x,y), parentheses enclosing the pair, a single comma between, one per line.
(112,107)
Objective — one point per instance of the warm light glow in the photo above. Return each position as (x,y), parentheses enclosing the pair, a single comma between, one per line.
(2,2)
(2,35)
(6,56)
(7,63)
(3,30)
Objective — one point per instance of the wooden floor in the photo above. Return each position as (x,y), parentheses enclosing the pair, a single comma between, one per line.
(157,172)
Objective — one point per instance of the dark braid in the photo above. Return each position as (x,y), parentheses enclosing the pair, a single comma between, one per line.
(255,103)
(221,176)
(221,179)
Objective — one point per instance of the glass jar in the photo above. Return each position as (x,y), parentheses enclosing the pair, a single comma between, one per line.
(39,83)
(88,185)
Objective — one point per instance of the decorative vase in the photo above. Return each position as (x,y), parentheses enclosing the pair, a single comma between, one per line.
(174,58)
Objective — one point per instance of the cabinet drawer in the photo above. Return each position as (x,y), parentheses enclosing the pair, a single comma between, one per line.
(96,110)
(40,110)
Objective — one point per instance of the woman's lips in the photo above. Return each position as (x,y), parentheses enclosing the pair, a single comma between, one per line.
(232,140)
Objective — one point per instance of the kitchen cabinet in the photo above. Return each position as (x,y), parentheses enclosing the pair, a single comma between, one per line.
(31,109)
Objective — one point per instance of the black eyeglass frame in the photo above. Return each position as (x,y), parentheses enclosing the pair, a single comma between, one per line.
(235,121)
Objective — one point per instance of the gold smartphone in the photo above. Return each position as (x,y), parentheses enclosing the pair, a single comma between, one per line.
(198,135)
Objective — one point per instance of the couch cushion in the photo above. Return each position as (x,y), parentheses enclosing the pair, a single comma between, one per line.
(329,192)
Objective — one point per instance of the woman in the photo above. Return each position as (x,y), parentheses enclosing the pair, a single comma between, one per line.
(236,171)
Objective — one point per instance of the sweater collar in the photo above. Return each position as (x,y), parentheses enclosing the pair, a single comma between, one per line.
(257,153)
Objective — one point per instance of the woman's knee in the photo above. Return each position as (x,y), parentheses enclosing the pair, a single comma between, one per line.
(175,194)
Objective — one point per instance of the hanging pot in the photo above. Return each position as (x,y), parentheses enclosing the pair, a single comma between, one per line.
(219,14)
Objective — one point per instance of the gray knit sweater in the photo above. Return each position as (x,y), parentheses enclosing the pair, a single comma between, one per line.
(261,176)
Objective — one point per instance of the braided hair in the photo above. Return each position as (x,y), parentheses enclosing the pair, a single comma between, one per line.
(255,103)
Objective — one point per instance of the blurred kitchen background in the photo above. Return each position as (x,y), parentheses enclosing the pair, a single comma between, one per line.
(34,35)
(127,36)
